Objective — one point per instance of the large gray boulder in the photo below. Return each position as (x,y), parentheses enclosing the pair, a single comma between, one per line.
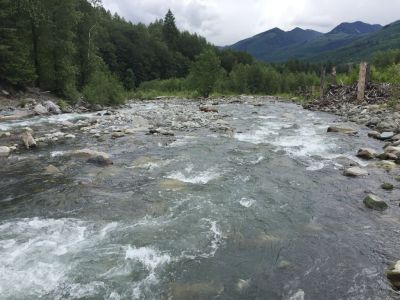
(39,109)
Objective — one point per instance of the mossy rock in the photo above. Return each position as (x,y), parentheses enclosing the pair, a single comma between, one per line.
(374,202)
(387,186)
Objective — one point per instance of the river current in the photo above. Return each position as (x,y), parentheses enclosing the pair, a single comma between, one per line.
(263,214)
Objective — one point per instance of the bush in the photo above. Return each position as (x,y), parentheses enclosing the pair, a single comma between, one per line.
(104,88)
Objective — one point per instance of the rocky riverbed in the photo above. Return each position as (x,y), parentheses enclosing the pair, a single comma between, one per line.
(229,198)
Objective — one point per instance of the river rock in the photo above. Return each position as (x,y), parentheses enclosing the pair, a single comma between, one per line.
(91,154)
(52,107)
(386,135)
(28,139)
(197,290)
(4,151)
(40,109)
(387,186)
(374,134)
(374,202)
(355,172)
(100,160)
(386,165)
(51,170)
(341,130)
(392,149)
(208,109)
(393,274)
(118,134)
(366,153)
(5,134)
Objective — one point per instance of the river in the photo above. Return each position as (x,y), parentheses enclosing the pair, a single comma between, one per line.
(263,214)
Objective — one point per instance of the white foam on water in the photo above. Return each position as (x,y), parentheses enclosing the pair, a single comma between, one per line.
(54,119)
(151,259)
(216,238)
(80,291)
(37,257)
(299,295)
(247,203)
(194,177)
(31,250)
(57,153)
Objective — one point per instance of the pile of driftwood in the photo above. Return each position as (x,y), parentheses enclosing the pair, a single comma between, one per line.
(374,94)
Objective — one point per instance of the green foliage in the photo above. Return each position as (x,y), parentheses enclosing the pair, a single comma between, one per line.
(170,31)
(104,88)
(205,72)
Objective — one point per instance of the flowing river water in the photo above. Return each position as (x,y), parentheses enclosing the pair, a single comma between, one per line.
(263,214)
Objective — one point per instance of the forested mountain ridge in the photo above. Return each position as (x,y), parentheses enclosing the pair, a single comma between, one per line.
(342,39)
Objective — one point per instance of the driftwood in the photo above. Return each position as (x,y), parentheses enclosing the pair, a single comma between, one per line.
(338,94)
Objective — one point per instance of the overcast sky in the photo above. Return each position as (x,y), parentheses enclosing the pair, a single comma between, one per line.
(224,22)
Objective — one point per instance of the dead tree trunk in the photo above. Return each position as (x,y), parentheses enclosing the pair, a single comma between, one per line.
(321,87)
(362,81)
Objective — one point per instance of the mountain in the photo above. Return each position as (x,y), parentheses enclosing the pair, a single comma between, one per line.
(345,39)
(355,28)
(274,40)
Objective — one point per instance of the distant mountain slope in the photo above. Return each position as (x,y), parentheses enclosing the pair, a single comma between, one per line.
(345,42)
(386,38)
(275,40)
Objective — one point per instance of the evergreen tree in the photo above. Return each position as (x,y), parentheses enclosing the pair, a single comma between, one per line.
(170,31)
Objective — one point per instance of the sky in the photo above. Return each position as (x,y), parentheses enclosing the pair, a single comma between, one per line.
(224,22)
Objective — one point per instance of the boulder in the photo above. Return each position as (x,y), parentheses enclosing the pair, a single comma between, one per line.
(393,274)
(4,151)
(355,172)
(40,109)
(392,149)
(28,139)
(374,202)
(341,130)
(366,153)
(52,107)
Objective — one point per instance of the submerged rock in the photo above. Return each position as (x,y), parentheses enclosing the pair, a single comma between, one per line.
(51,170)
(366,153)
(199,290)
(342,130)
(374,202)
(4,151)
(386,165)
(355,172)
(100,160)
(393,274)
(387,186)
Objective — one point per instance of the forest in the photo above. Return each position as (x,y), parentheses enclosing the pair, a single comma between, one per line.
(76,49)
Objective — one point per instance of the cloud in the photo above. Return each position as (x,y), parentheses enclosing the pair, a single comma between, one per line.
(224,22)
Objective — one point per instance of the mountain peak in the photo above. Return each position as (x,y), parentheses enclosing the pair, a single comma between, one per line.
(355,28)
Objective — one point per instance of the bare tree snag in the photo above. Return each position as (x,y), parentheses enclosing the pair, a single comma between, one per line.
(321,88)
(362,81)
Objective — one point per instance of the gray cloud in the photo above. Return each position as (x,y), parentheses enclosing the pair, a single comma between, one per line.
(224,22)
